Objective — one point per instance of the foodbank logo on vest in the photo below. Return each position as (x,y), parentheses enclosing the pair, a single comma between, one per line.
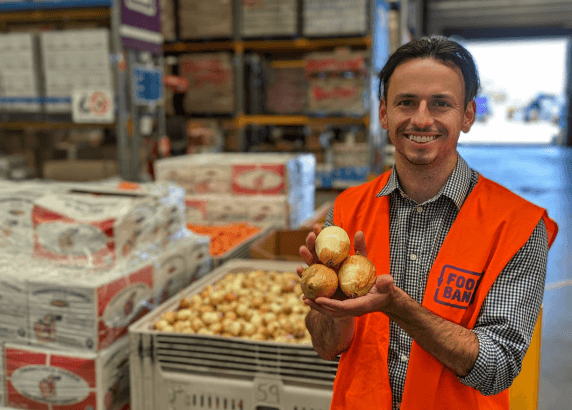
(456,286)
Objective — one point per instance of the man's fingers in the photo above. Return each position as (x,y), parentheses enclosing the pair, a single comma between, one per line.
(299,271)
(317,229)
(307,255)
(359,244)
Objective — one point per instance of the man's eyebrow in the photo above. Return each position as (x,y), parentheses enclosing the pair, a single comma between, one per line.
(434,96)
(406,95)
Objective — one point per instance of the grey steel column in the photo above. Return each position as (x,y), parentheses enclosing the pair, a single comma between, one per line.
(135,141)
(121,97)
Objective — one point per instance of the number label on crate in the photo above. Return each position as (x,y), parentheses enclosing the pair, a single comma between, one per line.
(267,391)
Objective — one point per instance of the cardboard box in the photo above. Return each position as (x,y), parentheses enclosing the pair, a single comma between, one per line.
(168,20)
(280,244)
(335,17)
(211,82)
(14,324)
(80,170)
(87,310)
(2,378)
(43,379)
(269,18)
(199,19)
(337,96)
(185,261)
(95,230)
(222,209)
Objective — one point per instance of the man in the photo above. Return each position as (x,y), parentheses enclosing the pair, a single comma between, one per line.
(461,261)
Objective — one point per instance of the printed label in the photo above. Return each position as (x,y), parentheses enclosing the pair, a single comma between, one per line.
(50,385)
(254,179)
(456,286)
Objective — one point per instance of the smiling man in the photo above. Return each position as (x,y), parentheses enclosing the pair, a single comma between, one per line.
(461,261)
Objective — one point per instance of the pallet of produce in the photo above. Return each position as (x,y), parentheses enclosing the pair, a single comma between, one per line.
(236,337)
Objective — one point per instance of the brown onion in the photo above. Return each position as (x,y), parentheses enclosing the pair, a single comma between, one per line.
(332,246)
(356,276)
(318,281)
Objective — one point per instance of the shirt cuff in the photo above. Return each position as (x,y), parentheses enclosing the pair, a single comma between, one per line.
(484,366)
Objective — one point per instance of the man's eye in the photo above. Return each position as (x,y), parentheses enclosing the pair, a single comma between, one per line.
(406,103)
(441,103)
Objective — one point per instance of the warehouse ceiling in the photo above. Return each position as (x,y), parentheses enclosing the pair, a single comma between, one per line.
(473,14)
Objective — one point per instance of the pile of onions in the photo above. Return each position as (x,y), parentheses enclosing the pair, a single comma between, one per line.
(354,274)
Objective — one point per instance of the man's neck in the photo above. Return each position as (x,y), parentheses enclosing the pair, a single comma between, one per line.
(423,182)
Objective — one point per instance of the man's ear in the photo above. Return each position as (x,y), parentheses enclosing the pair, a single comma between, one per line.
(469,116)
(383,114)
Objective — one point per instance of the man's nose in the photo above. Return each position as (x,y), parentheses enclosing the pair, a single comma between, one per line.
(422,116)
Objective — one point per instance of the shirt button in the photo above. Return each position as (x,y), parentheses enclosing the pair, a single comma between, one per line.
(403,358)
(419,209)
(413,257)
(398,405)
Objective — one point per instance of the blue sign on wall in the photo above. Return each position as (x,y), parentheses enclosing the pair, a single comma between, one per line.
(147,85)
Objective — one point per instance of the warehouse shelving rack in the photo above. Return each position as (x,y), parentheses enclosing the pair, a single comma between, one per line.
(374,41)
(128,115)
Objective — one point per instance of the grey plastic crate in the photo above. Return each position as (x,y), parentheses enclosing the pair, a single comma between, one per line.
(180,371)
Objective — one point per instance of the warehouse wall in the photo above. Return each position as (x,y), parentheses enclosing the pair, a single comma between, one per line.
(468,14)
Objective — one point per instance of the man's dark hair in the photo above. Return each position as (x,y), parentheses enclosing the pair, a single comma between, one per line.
(438,48)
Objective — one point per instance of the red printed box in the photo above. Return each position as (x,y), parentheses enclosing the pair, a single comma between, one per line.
(88,310)
(90,230)
(46,379)
(259,179)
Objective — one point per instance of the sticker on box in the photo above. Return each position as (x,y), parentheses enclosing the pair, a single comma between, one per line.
(258,179)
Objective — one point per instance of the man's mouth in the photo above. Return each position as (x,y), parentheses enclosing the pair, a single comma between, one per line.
(421,138)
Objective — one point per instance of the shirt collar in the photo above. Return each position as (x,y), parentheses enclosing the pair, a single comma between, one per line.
(456,188)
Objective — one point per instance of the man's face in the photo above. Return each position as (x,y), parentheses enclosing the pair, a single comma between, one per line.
(424,113)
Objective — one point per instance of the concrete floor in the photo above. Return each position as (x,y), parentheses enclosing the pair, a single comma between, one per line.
(543,175)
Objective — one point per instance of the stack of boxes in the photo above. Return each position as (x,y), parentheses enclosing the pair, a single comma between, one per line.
(205,19)
(337,82)
(276,189)
(211,82)
(74,60)
(19,84)
(276,18)
(334,17)
(285,90)
(168,27)
(94,260)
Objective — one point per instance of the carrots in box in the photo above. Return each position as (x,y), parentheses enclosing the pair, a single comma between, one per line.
(224,237)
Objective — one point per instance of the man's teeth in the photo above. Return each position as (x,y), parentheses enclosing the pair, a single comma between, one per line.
(417,138)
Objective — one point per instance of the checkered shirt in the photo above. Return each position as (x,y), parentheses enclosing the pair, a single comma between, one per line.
(509,312)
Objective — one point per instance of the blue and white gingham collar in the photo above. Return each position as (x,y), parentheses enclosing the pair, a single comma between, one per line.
(456,188)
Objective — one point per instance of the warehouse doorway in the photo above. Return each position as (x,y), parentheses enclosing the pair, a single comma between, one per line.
(522,98)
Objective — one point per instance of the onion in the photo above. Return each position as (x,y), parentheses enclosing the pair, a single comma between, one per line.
(332,246)
(318,281)
(356,276)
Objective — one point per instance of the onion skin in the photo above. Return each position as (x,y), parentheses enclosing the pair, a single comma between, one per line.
(318,281)
(356,276)
(332,246)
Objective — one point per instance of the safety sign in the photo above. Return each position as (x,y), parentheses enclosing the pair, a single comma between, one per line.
(93,106)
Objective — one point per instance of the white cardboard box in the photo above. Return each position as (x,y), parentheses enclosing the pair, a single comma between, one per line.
(87,310)
(80,229)
(42,378)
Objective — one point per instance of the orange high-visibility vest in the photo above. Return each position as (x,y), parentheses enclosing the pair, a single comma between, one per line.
(492,225)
